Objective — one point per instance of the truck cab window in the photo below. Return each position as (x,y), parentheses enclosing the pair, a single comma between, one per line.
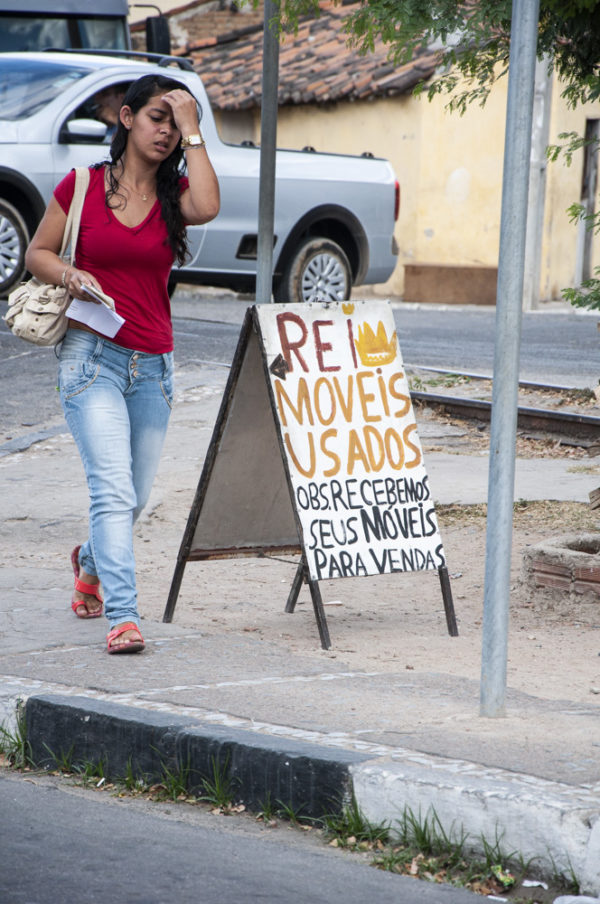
(34,32)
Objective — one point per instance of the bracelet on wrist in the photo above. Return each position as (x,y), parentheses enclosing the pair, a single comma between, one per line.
(62,279)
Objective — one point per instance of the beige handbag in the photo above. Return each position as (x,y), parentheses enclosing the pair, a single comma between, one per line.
(37,311)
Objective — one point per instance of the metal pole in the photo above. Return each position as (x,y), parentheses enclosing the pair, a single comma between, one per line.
(513,225)
(268,144)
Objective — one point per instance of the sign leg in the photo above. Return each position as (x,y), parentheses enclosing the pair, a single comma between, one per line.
(448,604)
(175,588)
(319,614)
(295,588)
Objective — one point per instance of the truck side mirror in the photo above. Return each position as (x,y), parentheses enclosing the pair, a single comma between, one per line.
(158,39)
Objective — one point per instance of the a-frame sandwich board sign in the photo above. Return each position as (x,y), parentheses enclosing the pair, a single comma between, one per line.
(315,451)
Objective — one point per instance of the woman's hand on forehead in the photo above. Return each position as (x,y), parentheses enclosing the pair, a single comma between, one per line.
(184,108)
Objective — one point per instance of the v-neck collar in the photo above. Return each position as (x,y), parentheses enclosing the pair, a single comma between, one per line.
(112,213)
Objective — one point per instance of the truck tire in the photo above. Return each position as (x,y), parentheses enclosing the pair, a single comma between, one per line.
(14,239)
(318,270)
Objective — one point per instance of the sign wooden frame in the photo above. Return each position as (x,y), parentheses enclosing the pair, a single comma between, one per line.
(245,503)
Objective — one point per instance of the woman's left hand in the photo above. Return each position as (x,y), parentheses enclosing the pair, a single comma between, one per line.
(185,110)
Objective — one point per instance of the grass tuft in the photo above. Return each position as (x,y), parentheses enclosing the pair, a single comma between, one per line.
(218,789)
(14,746)
(351,827)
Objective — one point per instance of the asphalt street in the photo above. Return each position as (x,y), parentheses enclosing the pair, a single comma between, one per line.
(60,844)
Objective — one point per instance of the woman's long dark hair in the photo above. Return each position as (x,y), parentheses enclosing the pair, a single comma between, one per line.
(137,96)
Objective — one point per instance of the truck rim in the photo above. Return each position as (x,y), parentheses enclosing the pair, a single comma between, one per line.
(11,251)
(324,278)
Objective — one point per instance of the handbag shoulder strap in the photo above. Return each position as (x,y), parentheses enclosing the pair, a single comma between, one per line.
(82,180)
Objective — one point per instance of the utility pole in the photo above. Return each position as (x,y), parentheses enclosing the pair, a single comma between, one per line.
(268,144)
(513,225)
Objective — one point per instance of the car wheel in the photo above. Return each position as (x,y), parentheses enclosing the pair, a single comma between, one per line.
(14,239)
(317,271)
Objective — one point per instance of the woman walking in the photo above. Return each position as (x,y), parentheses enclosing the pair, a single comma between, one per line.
(117,393)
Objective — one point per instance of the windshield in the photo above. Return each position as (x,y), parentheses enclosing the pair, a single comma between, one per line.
(27,86)
(29,32)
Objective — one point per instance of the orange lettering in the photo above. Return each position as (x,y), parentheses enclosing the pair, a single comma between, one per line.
(302,402)
(356,453)
(366,397)
(369,434)
(392,437)
(323,381)
(383,393)
(417,459)
(332,455)
(346,404)
(307,472)
(399,395)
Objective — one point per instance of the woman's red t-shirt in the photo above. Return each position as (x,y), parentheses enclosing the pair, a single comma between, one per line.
(131,263)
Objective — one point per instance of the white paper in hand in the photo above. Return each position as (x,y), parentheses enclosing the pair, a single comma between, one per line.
(96,314)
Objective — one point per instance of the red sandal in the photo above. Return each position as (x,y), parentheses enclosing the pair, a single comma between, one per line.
(129,646)
(82,587)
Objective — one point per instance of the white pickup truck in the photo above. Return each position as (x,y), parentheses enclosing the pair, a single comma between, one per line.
(334,214)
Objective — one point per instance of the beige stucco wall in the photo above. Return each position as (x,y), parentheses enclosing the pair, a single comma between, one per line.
(450,171)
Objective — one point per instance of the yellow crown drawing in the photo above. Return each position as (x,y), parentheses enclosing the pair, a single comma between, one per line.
(348,307)
(375,349)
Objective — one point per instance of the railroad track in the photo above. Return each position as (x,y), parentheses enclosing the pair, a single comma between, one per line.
(580,429)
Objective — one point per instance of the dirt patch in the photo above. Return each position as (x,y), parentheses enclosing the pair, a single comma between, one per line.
(396,622)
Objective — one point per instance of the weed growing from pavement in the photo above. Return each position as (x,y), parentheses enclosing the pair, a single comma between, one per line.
(133,782)
(268,811)
(14,746)
(63,760)
(559,879)
(420,846)
(174,783)
(218,790)
(292,814)
(351,827)
(91,771)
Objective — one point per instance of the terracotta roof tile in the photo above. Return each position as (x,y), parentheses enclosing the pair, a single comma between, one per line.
(315,65)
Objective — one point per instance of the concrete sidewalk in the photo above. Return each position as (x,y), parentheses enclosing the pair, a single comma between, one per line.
(299,725)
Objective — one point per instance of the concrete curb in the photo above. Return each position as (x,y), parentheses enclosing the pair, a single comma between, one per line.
(554,825)
(310,779)
(533,817)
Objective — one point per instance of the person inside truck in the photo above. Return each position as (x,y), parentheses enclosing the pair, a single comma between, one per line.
(117,392)
(106,105)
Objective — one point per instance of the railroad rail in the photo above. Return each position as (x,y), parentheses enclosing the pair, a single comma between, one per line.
(582,429)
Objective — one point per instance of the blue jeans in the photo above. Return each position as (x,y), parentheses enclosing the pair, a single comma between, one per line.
(117,404)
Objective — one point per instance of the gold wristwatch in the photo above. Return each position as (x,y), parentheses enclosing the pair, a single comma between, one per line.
(192,141)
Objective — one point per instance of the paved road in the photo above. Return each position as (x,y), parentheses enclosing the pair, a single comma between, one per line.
(560,348)
(63,844)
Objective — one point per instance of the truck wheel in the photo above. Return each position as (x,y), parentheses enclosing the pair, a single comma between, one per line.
(14,239)
(317,271)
